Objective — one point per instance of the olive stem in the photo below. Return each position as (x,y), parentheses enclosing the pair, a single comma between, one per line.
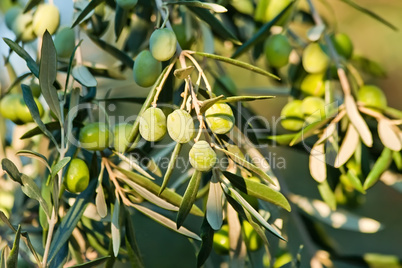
(162,83)
(197,65)
(166,9)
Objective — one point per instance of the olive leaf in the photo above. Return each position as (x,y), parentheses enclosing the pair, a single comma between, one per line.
(327,194)
(93,263)
(380,166)
(213,7)
(35,155)
(83,76)
(17,81)
(183,73)
(60,165)
(131,243)
(317,163)
(120,20)
(246,98)
(12,260)
(214,213)
(11,170)
(91,6)
(188,198)
(207,235)
(348,146)
(100,200)
(171,166)
(116,234)
(70,65)
(32,190)
(355,181)
(358,121)
(32,65)
(31,4)
(389,134)
(51,126)
(208,103)
(283,139)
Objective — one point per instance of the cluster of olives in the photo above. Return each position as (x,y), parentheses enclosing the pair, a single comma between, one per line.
(27,26)
(13,107)
(148,64)
(180,127)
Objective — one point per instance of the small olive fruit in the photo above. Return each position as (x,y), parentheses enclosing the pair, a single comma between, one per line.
(126,4)
(277,50)
(163,44)
(220,118)
(95,136)
(11,15)
(184,40)
(372,96)
(146,69)
(64,42)
(23,113)
(77,176)
(275,7)
(314,59)
(46,17)
(251,238)
(22,27)
(9,105)
(121,134)
(313,109)
(202,157)
(36,90)
(153,124)
(343,45)
(292,113)
(221,240)
(180,126)
(313,84)
(223,84)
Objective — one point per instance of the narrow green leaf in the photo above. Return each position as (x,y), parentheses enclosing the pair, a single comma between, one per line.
(35,155)
(32,191)
(120,20)
(51,126)
(213,7)
(214,214)
(32,65)
(12,260)
(11,170)
(115,52)
(17,81)
(72,113)
(355,181)
(166,222)
(93,263)
(100,200)
(327,194)
(170,167)
(238,63)
(31,4)
(348,146)
(358,121)
(382,164)
(370,13)
(4,256)
(369,66)
(70,65)
(82,75)
(283,139)
(246,98)
(309,130)
(258,190)
(91,6)
(215,24)
(48,73)
(262,33)
(167,194)
(317,162)
(33,109)
(116,235)
(4,218)
(131,243)
(397,159)
(243,162)
(71,219)
(206,104)
(207,236)
(183,73)
(60,165)
(188,198)
(389,134)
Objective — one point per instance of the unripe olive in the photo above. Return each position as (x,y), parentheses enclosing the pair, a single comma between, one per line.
(251,238)
(202,157)
(46,17)
(185,41)
(23,113)
(64,42)
(180,126)
(343,45)
(95,136)
(313,84)
(126,4)
(163,44)
(221,240)
(153,124)
(77,176)
(220,118)
(314,59)
(372,96)
(243,6)
(223,84)
(277,50)
(121,134)
(275,7)
(36,90)
(23,28)
(146,69)
(313,109)
(292,113)
(8,106)
(11,15)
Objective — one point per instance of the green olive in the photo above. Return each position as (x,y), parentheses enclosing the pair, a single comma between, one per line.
(11,15)
(22,27)
(314,59)
(202,157)
(251,238)
(220,118)
(163,44)
(23,113)
(343,45)
(313,109)
(76,179)
(313,84)
(277,50)
(46,17)
(243,6)
(221,240)
(292,116)
(8,106)
(95,136)
(153,124)
(180,126)
(36,90)
(275,7)
(126,4)
(372,96)
(146,69)
(64,42)
(184,40)
(223,84)
(121,135)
